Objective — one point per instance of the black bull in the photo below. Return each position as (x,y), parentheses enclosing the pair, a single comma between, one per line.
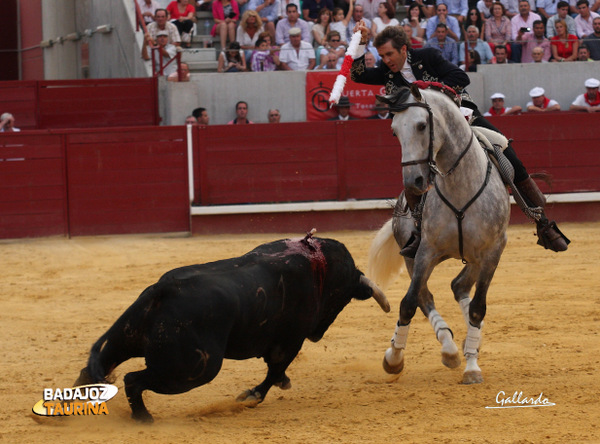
(262,304)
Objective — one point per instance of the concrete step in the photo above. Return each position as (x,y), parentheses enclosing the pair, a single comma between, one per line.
(203,66)
(192,55)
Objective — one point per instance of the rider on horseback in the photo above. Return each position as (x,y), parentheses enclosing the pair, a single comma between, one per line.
(402,66)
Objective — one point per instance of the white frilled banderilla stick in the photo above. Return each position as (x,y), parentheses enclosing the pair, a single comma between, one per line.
(340,80)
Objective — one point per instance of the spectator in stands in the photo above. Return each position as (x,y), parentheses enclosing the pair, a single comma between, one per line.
(484,7)
(561,14)
(498,108)
(339,21)
(268,11)
(537,55)
(232,60)
(357,16)
(7,123)
(164,53)
(248,31)
(293,20)
(182,15)
(297,55)
(536,39)
(241,112)
(523,23)
(590,101)
(148,9)
(592,41)
(474,60)
(583,54)
(226,14)
(333,46)
(369,8)
(311,9)
(442,17)
(498,30)
(274,115)
(370,60)
(584,22)
(191,120)
(546,9)
(201,116)
(475,44)
(540,103)
(321,27)
(343,109)
(417,22)
(382,111)
(427,7)
(474,18)
(386,16)
(330,62)
(500,56)
(414,43)
(283,4)
(564,46)
(456,8)
(185,73)
(160,23)
(262,57)
(447,46)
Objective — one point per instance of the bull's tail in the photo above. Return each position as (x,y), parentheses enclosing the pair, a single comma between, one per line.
(384,256)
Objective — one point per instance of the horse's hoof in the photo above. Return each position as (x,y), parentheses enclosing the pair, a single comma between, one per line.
(249,396)
(143,417)
(284,385)
(393,369)
(472,377)
(451,360)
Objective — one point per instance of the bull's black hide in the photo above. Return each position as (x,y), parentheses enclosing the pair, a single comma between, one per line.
(262,304)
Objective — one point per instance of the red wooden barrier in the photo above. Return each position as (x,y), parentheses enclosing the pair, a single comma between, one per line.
(91,103)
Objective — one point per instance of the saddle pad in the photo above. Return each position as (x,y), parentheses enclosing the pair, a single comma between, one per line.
(493,137)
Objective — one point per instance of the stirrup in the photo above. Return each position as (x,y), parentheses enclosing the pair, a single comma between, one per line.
(412,245)
(550,237)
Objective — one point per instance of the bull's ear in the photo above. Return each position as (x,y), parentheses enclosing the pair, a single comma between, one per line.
(416,92)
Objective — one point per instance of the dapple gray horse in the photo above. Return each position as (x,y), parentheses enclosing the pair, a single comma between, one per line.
(465,216)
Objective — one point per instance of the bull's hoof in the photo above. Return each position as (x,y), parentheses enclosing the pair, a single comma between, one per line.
(249,396)
(143,417)
(393,369)
(472,377)
(286,384)
(451,360)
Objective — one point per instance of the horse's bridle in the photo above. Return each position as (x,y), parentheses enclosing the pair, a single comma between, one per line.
(460,214)
(429,159)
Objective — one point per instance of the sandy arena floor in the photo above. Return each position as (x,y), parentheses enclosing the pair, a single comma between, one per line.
(540,337)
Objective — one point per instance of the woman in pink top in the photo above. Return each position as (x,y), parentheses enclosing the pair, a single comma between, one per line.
(181,14)
(226,14)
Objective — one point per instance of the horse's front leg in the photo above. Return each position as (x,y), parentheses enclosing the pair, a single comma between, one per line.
(393,361)
(477,309)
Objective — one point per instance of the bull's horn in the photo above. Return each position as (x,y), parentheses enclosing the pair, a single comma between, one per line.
(377,294)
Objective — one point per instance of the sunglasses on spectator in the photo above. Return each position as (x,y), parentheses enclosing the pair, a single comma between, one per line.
(334,40)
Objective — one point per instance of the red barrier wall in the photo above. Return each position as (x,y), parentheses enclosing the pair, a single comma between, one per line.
(81,103)
(111,180)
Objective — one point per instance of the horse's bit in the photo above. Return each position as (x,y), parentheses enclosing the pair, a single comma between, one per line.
(460,214)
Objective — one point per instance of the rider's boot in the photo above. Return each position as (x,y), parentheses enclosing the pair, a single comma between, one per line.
(549,236)
(412,245)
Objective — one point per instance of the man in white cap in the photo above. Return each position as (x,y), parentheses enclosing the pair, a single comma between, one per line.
(590,101)
(297,55)
(498,108)
(163,53)
(7,123)
(540,103)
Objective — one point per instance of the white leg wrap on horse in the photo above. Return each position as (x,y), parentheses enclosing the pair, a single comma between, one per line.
(464,306)
(400,336)
(438,324)
(472,341)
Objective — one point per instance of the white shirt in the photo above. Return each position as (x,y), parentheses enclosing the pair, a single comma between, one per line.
(580,101)
(381,26)
(297,60)
(172,67)
(585,27)
(551,103)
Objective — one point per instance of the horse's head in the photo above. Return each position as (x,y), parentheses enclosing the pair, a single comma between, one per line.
(413,126)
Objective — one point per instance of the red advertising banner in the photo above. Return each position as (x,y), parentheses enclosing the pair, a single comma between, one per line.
(318,88)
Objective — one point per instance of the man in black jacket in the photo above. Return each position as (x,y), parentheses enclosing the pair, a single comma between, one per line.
(401,66)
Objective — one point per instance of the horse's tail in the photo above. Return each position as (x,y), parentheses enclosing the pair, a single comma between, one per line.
(384,256)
